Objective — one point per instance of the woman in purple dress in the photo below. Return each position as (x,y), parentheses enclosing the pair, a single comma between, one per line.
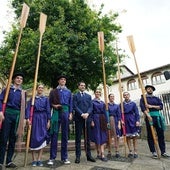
(40,124)
(132,122)
(115,122)
(99,125)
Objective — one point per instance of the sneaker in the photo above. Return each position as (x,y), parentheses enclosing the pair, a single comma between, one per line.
(50,162)
(154,155)
(39,163)
(66,161)
(11,165)
(165,155)
(34,163)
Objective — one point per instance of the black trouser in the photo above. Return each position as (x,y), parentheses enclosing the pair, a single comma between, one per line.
(8,135)
(160,134)
(79,127)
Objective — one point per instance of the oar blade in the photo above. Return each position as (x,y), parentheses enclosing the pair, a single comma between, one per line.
(131,43)
(24,15)
(101,40)
(42,25)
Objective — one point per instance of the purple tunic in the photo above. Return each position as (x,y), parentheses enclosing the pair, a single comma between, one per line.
(98,136)
(131,115)
(152,100)
(14,98)
(114,110)
(41,116)
(65,99)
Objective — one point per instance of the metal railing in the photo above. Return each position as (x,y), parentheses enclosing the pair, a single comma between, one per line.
(166,106)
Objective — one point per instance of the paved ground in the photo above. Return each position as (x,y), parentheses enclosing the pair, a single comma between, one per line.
(143,162)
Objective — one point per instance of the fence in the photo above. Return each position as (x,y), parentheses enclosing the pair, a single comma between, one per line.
(166,106)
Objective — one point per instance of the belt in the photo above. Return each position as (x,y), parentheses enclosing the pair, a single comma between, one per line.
(54,118)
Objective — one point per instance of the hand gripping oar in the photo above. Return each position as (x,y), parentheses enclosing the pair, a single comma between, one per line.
(42,25)
(121,99)
(132,48)
(24,16)
(101,48)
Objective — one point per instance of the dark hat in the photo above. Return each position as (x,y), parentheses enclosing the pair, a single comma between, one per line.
(17,74)
(153,88)
(61,76)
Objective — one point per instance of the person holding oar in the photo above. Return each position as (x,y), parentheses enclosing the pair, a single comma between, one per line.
(132,123)
(10,120)
(152,111)
(40,124)
(115,122)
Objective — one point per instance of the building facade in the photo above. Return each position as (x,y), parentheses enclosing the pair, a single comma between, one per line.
(130,82)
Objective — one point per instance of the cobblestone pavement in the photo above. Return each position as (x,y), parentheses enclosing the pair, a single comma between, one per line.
(143,162)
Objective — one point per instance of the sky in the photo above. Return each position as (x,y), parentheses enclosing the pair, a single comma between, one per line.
(147,20)
(6,17)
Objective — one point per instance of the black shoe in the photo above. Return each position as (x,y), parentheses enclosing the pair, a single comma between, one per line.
(11,165)
(104,159)
(117,155)
(135,155)
(98,157)
(77,161)
(109,156)
(90,158)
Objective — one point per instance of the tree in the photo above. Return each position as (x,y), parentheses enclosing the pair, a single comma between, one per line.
(70,43)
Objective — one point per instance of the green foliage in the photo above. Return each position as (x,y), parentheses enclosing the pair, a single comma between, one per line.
(69,46)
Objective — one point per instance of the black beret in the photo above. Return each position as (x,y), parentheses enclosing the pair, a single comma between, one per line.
(153,88)
(61,76)
(17,74)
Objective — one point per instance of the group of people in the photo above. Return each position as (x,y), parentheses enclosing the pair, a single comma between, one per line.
(93,119)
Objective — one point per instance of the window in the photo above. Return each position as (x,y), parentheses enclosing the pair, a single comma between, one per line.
(131,84)
(145,80)
(158,78)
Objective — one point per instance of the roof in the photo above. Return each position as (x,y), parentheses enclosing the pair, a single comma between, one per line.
(125,76)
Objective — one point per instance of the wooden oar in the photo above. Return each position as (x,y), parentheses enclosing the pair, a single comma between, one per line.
(132,49)
(121,99)
(42,26)
(101,48)
(24,16)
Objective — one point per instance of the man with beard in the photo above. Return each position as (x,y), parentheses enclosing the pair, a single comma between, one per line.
(152,114)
